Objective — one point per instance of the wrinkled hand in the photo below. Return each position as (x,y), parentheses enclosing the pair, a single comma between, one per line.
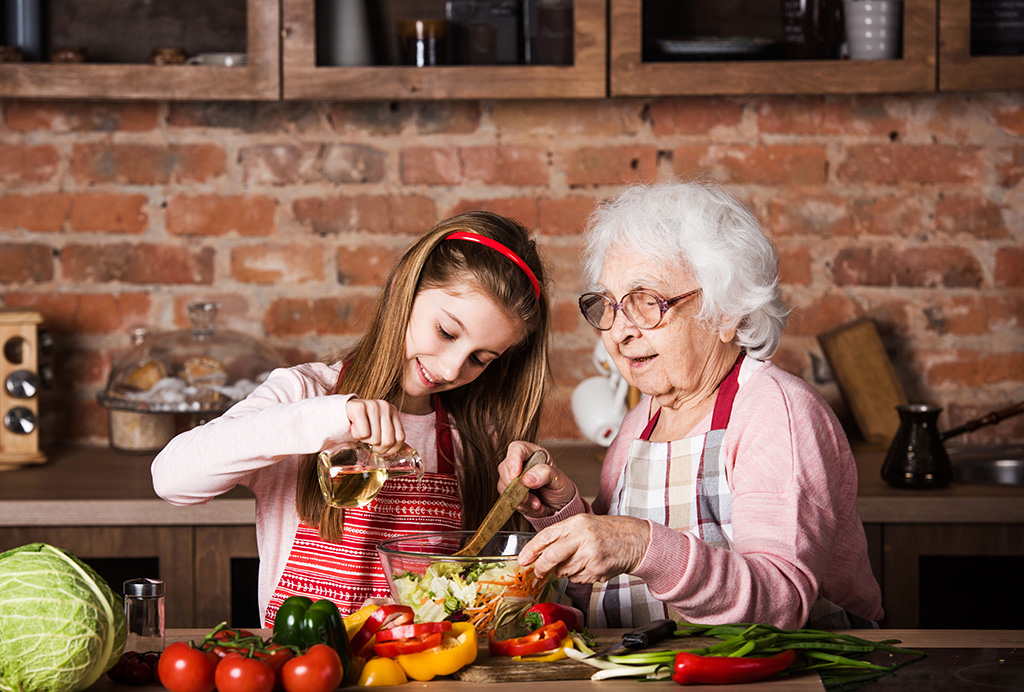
(551,489)
(588,548)
(376,423)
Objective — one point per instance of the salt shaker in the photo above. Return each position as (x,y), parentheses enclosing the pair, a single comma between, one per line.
(144,613)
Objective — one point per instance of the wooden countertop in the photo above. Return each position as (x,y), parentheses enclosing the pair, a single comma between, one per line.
(86,486)
(915,639)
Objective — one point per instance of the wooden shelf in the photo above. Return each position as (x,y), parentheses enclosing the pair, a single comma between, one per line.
(258,80)
(303,79)
(961,71)
(631,76)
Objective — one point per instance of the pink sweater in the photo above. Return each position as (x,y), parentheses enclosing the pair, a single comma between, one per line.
(796,528)
(257,444)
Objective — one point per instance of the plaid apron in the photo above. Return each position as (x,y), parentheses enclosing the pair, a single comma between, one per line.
(350,572)
(682,485)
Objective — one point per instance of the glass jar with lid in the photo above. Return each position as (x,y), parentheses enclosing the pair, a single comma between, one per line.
(198,373)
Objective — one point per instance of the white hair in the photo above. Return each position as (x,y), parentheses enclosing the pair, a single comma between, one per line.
(703,230)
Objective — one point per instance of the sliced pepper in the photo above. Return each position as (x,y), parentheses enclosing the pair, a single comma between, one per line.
(301,622)
(407,645)
(547,638)
(556,655)
(545,613)
(354,621)
(458,648)
(382,672)
(390,614)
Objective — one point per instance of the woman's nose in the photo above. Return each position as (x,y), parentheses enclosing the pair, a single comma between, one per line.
(621,327)
(451,365)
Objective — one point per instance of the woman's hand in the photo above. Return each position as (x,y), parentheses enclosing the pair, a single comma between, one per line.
(550,488)
(588,548)
(376,423)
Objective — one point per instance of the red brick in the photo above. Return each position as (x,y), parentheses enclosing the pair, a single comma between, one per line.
(1008,430)
(214,215)
(109,212)
(146,164)
(144,263)
(561,118)
(611,165)
(892,164)
(896,215)
(42,212)
(365,263)
(445,117)
(1010,119)
(506,165)
(815,316)
(394,214)
(232,314)
(807,215)
(565,315)
(82,116)
(838,115)
(795,265)
(933,267)
(522,209)
(973,215)
(565,215)
(564,272)
(24,163)
(431,166)
(289,317)
(288,264)
(25,262)
(1009,267)
(780,164)
(975,314)
(1010,166)
(82,366)
(87,313)
(390,118)
(969,368)
(346,316)
(280,117)
(283,164)
(694,115)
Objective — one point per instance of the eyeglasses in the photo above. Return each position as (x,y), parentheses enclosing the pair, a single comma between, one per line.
(645,310)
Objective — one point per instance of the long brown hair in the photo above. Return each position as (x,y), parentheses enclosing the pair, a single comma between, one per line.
(501,405)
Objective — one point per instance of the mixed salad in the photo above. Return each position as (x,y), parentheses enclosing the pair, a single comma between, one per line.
(487,594)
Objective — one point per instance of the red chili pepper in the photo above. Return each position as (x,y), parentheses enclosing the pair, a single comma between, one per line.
(547,638)
(692,669)
(546,613)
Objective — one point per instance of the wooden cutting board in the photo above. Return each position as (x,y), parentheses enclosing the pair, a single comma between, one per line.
(489,668)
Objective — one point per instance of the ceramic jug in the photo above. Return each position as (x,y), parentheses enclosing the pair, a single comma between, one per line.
(917,458)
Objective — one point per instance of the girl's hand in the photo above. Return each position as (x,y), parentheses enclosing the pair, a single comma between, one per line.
(588,548)
(551,488)
(376,423)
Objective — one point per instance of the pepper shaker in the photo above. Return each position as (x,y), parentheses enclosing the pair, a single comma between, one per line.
(144,614)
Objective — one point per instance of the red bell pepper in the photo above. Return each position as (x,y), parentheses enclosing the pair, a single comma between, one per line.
(547,638)
(407,645)
(693,669)
(546,613)
(391,614)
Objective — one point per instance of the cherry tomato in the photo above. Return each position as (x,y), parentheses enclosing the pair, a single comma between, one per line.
(317,670)
(236,673)
(409,645)
(183,668)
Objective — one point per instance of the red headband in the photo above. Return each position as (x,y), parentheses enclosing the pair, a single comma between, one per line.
(495,245)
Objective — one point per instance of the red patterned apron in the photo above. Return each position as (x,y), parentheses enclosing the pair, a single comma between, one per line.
(349,572)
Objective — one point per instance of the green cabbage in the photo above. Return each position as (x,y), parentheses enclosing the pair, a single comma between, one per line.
(61,626)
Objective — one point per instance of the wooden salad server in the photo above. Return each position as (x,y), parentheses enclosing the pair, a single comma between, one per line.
(511,497)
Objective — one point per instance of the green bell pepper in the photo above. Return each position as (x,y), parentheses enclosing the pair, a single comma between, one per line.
(301,622)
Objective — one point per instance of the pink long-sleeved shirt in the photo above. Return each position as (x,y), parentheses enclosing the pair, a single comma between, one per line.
(796,529)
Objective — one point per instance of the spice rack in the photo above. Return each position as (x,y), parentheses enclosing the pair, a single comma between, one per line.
(19,400)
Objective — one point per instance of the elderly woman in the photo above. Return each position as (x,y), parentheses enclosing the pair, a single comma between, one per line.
(729,494)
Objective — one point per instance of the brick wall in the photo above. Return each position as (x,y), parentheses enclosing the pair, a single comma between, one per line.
(907,209)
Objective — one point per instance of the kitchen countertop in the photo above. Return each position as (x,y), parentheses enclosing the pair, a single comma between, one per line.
(985,653)
(96,486)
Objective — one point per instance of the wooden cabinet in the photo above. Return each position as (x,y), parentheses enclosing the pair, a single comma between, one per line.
(304,79)
(259,79)
(961,71)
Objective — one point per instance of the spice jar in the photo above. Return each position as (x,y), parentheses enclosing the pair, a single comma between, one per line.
(144,614)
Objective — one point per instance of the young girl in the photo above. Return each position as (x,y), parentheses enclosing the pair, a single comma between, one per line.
(454,362)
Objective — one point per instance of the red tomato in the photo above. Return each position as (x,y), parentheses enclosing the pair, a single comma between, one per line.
(236,673)
(317,670)
(275,656)
(183,668)
(409,645)
(415,630)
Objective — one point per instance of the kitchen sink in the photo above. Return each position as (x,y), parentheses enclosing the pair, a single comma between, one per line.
(997,465)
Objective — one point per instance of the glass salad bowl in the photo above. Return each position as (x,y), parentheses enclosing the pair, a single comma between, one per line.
(490,590)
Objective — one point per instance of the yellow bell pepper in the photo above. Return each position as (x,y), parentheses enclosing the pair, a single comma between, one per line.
(381,672)
(354,621)
(458,648)
(556,655)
